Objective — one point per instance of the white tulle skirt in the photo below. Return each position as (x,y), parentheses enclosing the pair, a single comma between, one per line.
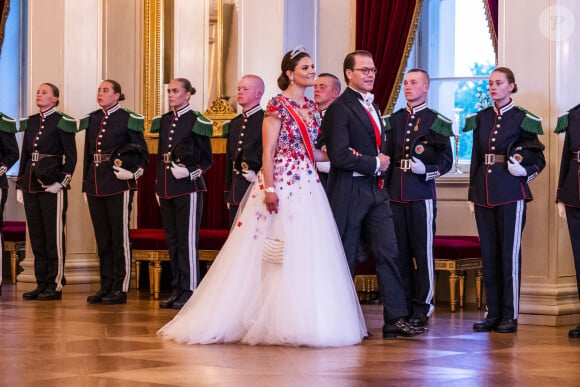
(307,299)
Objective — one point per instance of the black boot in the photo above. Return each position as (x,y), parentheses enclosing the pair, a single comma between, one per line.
(182,299)
(33,295)
(49,294)
(168,303)
(98,297)
(116,297)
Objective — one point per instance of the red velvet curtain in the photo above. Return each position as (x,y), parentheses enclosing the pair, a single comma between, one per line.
(383,28)
(491,10)
(215,214)
(4,8)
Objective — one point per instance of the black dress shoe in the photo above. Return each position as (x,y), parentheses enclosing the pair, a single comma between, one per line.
(98,297)
(485,325)
(116,297)
(401,328)
(368,336)
(168,303)
(419,320)
(182,299)
(49,294)
(507,325)
(33,295)
(574,333)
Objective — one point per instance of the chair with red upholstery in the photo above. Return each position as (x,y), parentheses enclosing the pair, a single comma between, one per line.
(14,233)
(456,254)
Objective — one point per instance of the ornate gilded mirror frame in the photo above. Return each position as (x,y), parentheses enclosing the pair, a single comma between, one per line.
(153,61)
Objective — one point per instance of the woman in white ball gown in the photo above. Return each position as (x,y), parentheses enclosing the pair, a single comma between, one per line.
(281,277)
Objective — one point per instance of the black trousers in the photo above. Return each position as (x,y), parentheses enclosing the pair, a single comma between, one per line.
(110,217)
(573,219)
(500,232)
(415,228)
(46,219)
(3,198)
(371,216)
(232,212)
(181,217)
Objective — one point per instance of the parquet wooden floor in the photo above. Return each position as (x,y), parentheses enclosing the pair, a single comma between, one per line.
(70,343)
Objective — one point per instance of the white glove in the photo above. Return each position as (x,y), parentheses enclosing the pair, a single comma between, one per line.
(3,170)
(53,188)
(122,173)
(471,207)
(515,168)
(228,205)
(157,198)
(323,166)
(19,196)
(179,172)
(195,174)
(417,166)
(561,210)
(249,175)
(85,198)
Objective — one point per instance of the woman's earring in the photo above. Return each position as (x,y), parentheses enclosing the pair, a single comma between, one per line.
(291,78)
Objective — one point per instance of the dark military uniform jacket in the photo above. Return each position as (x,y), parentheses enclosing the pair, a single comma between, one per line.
(490,183)
(184,125)
(8,147)
(243,149)
(402,129)
(106,132)
(47,134)
(568,191)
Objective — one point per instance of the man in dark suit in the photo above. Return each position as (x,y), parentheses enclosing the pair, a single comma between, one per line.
(244,142)
(356,149)
(326,90)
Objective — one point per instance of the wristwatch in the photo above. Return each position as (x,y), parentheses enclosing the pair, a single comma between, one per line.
(270,189)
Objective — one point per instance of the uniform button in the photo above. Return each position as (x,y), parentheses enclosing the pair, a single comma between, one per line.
(42,120)
(35,145)
(173,125)
(100,136)
(237,172)
(170,138)
(99,143)
(240,142)
(489,171)
(492,148)
(98,150)
(495,132)
(171,131)
(241,134)
(497,126)
(169,145)
(97,164)
(406,155)
(493,139)
(410,124)
(245,120)
(33,164)
(499,117)
(408,131)
(39,133)
(177,118)
(239,149)
(167,167)
(407,140)
(36,138)
(103,131)
(104,122)
(412,116)
(243,127)
(42,127)
(406,147)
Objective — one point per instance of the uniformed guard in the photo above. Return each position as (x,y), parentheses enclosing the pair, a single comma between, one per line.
(109,187)
(244,142)
(410,183)
(568,192)
(48,135)
(8,156)
(179,186)
(498,192)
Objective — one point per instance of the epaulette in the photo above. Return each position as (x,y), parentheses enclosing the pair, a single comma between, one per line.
(203,125)
(7,124)
(531,123)
(136,121)
(84,122)
(23,124)
(156,124)
(67,123)
(470,123)
(387,121)
(562,124)
(442,125)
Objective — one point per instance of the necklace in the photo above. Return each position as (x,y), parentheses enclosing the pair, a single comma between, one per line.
(295,104)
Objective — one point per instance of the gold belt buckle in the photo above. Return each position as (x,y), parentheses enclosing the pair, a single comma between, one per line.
(167,157)
(489,159)
(405,164)
(97,158)
(35,155)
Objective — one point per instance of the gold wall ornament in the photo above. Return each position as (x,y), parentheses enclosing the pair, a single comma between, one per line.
(219,110)
(152,66)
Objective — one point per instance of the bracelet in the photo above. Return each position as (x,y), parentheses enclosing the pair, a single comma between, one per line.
(270,190)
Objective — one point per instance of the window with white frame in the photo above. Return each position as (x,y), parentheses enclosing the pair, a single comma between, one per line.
(454,46)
